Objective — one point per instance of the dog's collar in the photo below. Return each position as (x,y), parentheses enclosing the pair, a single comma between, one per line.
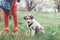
(30,24)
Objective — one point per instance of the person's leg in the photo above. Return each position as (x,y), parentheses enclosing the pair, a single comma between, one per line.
(15,16)
(6,22)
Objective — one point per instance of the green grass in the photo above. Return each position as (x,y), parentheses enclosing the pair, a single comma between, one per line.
(50,21)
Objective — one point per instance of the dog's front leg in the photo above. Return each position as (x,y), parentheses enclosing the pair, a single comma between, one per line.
(32,32)
(29,32)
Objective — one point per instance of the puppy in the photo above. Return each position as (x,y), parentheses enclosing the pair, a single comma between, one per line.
(33,26)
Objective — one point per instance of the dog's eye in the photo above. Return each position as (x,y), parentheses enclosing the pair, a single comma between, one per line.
(28,18)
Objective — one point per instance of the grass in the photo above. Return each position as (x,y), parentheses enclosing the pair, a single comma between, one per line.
(50,21)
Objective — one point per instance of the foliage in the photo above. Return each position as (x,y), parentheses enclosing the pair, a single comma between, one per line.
(50,21)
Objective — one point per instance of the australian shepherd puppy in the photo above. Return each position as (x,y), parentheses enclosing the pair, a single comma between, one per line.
(33,26)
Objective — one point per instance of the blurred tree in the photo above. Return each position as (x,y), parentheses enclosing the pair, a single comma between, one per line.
(57,2)
(30,5)
(58,7)
(18,0)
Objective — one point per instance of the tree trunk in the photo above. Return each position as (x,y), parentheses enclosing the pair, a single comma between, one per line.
(58,8)
(30,5)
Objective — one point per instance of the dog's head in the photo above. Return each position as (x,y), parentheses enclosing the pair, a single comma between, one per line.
(28,18)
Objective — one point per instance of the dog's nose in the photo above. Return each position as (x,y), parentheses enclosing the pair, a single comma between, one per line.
(28,22)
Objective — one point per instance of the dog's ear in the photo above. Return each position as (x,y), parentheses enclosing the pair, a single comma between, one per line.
(24,17)
(31,16)
(28,16)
